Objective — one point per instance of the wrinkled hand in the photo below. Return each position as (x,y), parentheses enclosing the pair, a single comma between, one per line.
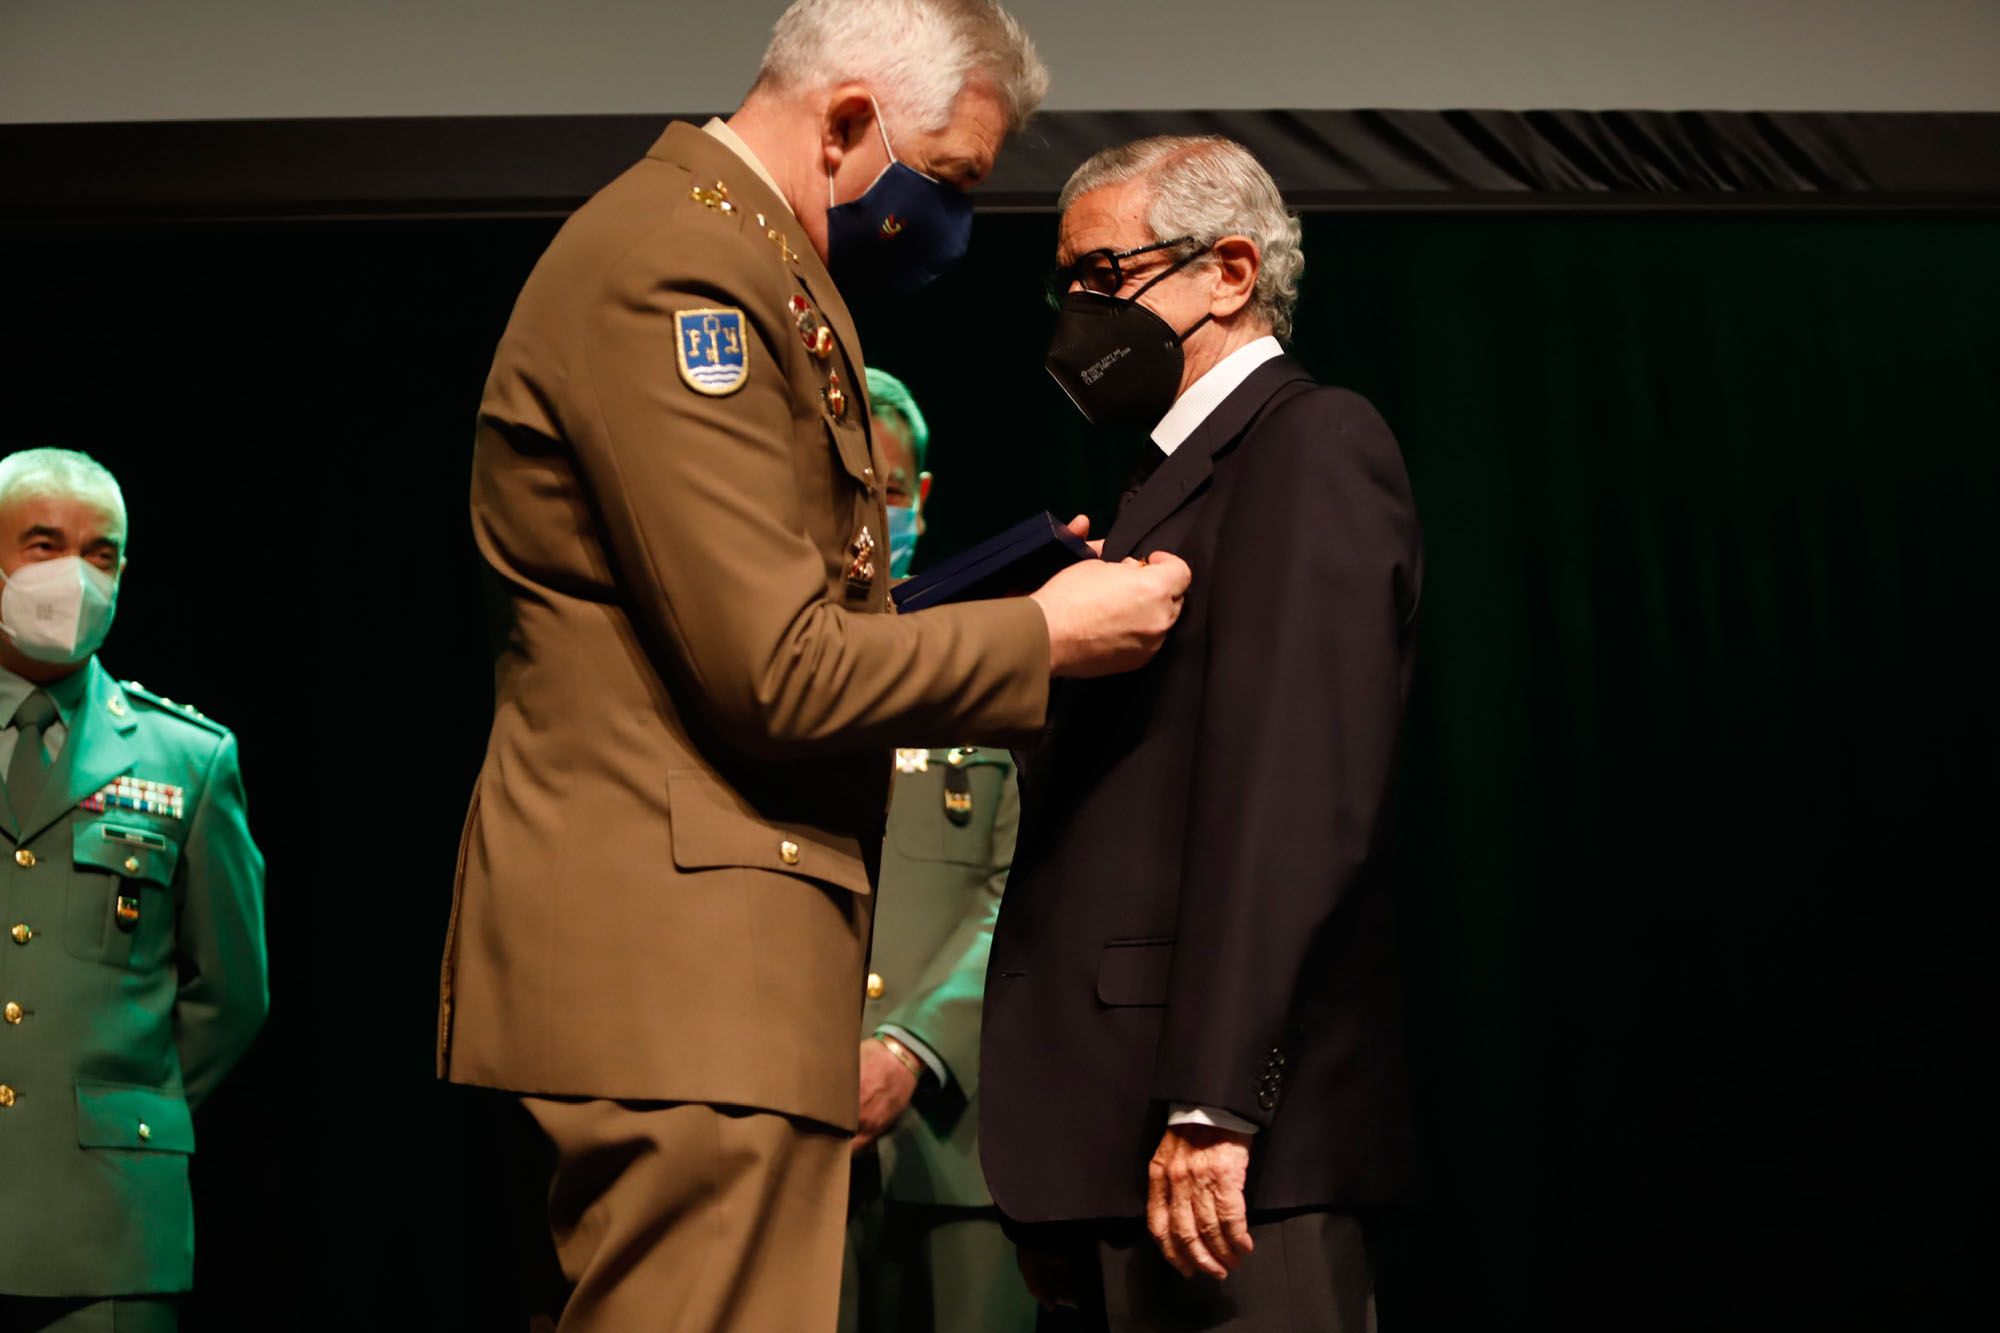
(1194,1199)
(886,1089)
(1108,618)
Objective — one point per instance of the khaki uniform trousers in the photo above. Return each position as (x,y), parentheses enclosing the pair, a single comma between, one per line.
(680,1217)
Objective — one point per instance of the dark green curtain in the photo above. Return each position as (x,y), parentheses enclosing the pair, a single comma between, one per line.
(1697,800)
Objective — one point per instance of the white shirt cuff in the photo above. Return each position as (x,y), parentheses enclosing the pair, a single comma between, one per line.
(1182,1114)
(921,1051)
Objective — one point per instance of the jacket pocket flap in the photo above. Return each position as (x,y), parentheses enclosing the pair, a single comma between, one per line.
(127,847)
(120,1115)
(712,828)
(1135,972)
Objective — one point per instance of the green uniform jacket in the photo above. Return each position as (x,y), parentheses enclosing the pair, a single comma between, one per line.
(132,969)
(939,895)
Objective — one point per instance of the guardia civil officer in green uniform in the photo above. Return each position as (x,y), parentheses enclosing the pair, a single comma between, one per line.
(925,1250)
(132,970)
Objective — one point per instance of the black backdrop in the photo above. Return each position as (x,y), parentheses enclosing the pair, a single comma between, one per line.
(1698,792)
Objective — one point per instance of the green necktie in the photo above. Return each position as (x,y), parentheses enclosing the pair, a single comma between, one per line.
(29,767)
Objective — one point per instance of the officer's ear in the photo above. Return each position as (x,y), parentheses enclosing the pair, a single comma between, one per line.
(847,123)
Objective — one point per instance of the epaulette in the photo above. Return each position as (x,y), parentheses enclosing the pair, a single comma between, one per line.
(187,711)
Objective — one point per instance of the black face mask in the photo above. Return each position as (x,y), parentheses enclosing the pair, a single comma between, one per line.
(1118,361)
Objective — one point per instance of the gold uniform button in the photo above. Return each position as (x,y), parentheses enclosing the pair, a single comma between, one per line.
(145,1131)
(131,865)
(788,852)
(6,1096)
(21,933)
(24,858)
(15,1013)
(875,986)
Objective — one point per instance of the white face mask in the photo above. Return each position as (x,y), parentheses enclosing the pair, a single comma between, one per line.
(58,610)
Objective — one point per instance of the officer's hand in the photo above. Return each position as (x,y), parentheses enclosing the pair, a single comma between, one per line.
(1106,618)
(1080,526)
(1194,1199)
(886,1089)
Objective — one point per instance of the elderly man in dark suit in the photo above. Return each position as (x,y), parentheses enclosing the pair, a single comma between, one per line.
(1192,1004)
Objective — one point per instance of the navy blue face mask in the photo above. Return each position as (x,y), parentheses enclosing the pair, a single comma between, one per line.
(904,230)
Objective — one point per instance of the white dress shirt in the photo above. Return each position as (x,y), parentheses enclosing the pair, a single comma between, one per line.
(1206,394)
(1189,411)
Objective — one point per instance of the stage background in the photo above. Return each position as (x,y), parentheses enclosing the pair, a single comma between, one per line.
(1698,794)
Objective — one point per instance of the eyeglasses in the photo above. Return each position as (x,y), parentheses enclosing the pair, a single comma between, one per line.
(1100,271)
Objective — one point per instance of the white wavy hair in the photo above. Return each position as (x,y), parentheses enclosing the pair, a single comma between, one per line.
(64,473)
(916,55)
(1209,187)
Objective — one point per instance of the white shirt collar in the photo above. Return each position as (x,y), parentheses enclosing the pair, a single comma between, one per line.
(1206,394)
(718,129)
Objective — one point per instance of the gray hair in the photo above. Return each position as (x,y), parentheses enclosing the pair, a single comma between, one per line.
(1209,187)
(916,55)
(64,473)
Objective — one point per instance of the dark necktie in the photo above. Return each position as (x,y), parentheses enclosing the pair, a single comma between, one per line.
(29,767)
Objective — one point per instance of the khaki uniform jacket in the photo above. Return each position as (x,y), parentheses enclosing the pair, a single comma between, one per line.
(662,891)
(134,969)
(943,874)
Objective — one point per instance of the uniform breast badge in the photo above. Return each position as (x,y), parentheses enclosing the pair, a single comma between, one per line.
(836,397)
(140,795)
(913,761)
(713,355)
(814,331)
(958,785)
(861,565)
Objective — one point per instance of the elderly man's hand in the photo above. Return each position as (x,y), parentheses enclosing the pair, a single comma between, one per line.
(886,1088)
(1194,1199)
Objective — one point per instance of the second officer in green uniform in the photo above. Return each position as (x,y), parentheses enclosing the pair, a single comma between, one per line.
(925,1249)
(132,965)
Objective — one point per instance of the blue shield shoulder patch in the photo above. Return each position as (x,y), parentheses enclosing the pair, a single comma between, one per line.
(713,355)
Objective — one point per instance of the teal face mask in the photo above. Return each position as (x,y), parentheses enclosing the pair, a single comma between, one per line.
(902,540)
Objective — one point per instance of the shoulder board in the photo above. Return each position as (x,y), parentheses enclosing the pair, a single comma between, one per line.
(188,712)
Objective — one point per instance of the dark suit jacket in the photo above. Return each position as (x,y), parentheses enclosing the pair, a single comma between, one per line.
(1197,911)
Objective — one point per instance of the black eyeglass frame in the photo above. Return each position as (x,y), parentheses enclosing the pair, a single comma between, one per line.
(1063,276)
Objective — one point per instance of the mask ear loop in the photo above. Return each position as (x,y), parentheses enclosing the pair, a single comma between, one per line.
(1161,277)
(880,128)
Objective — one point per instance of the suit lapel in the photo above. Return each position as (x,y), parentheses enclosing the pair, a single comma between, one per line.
(1176,480)
(94,752)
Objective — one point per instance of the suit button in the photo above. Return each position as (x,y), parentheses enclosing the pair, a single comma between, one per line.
(15,1013)
(6,1096)
(24,858)
(21,933)
(788,852)
(876,988)
(145,1132)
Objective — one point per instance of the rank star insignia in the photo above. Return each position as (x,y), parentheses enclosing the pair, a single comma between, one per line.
(717,199)
(913,761)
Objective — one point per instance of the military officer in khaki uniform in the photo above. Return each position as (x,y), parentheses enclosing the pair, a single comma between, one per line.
(132,972)
(663,899)
(925,1249)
